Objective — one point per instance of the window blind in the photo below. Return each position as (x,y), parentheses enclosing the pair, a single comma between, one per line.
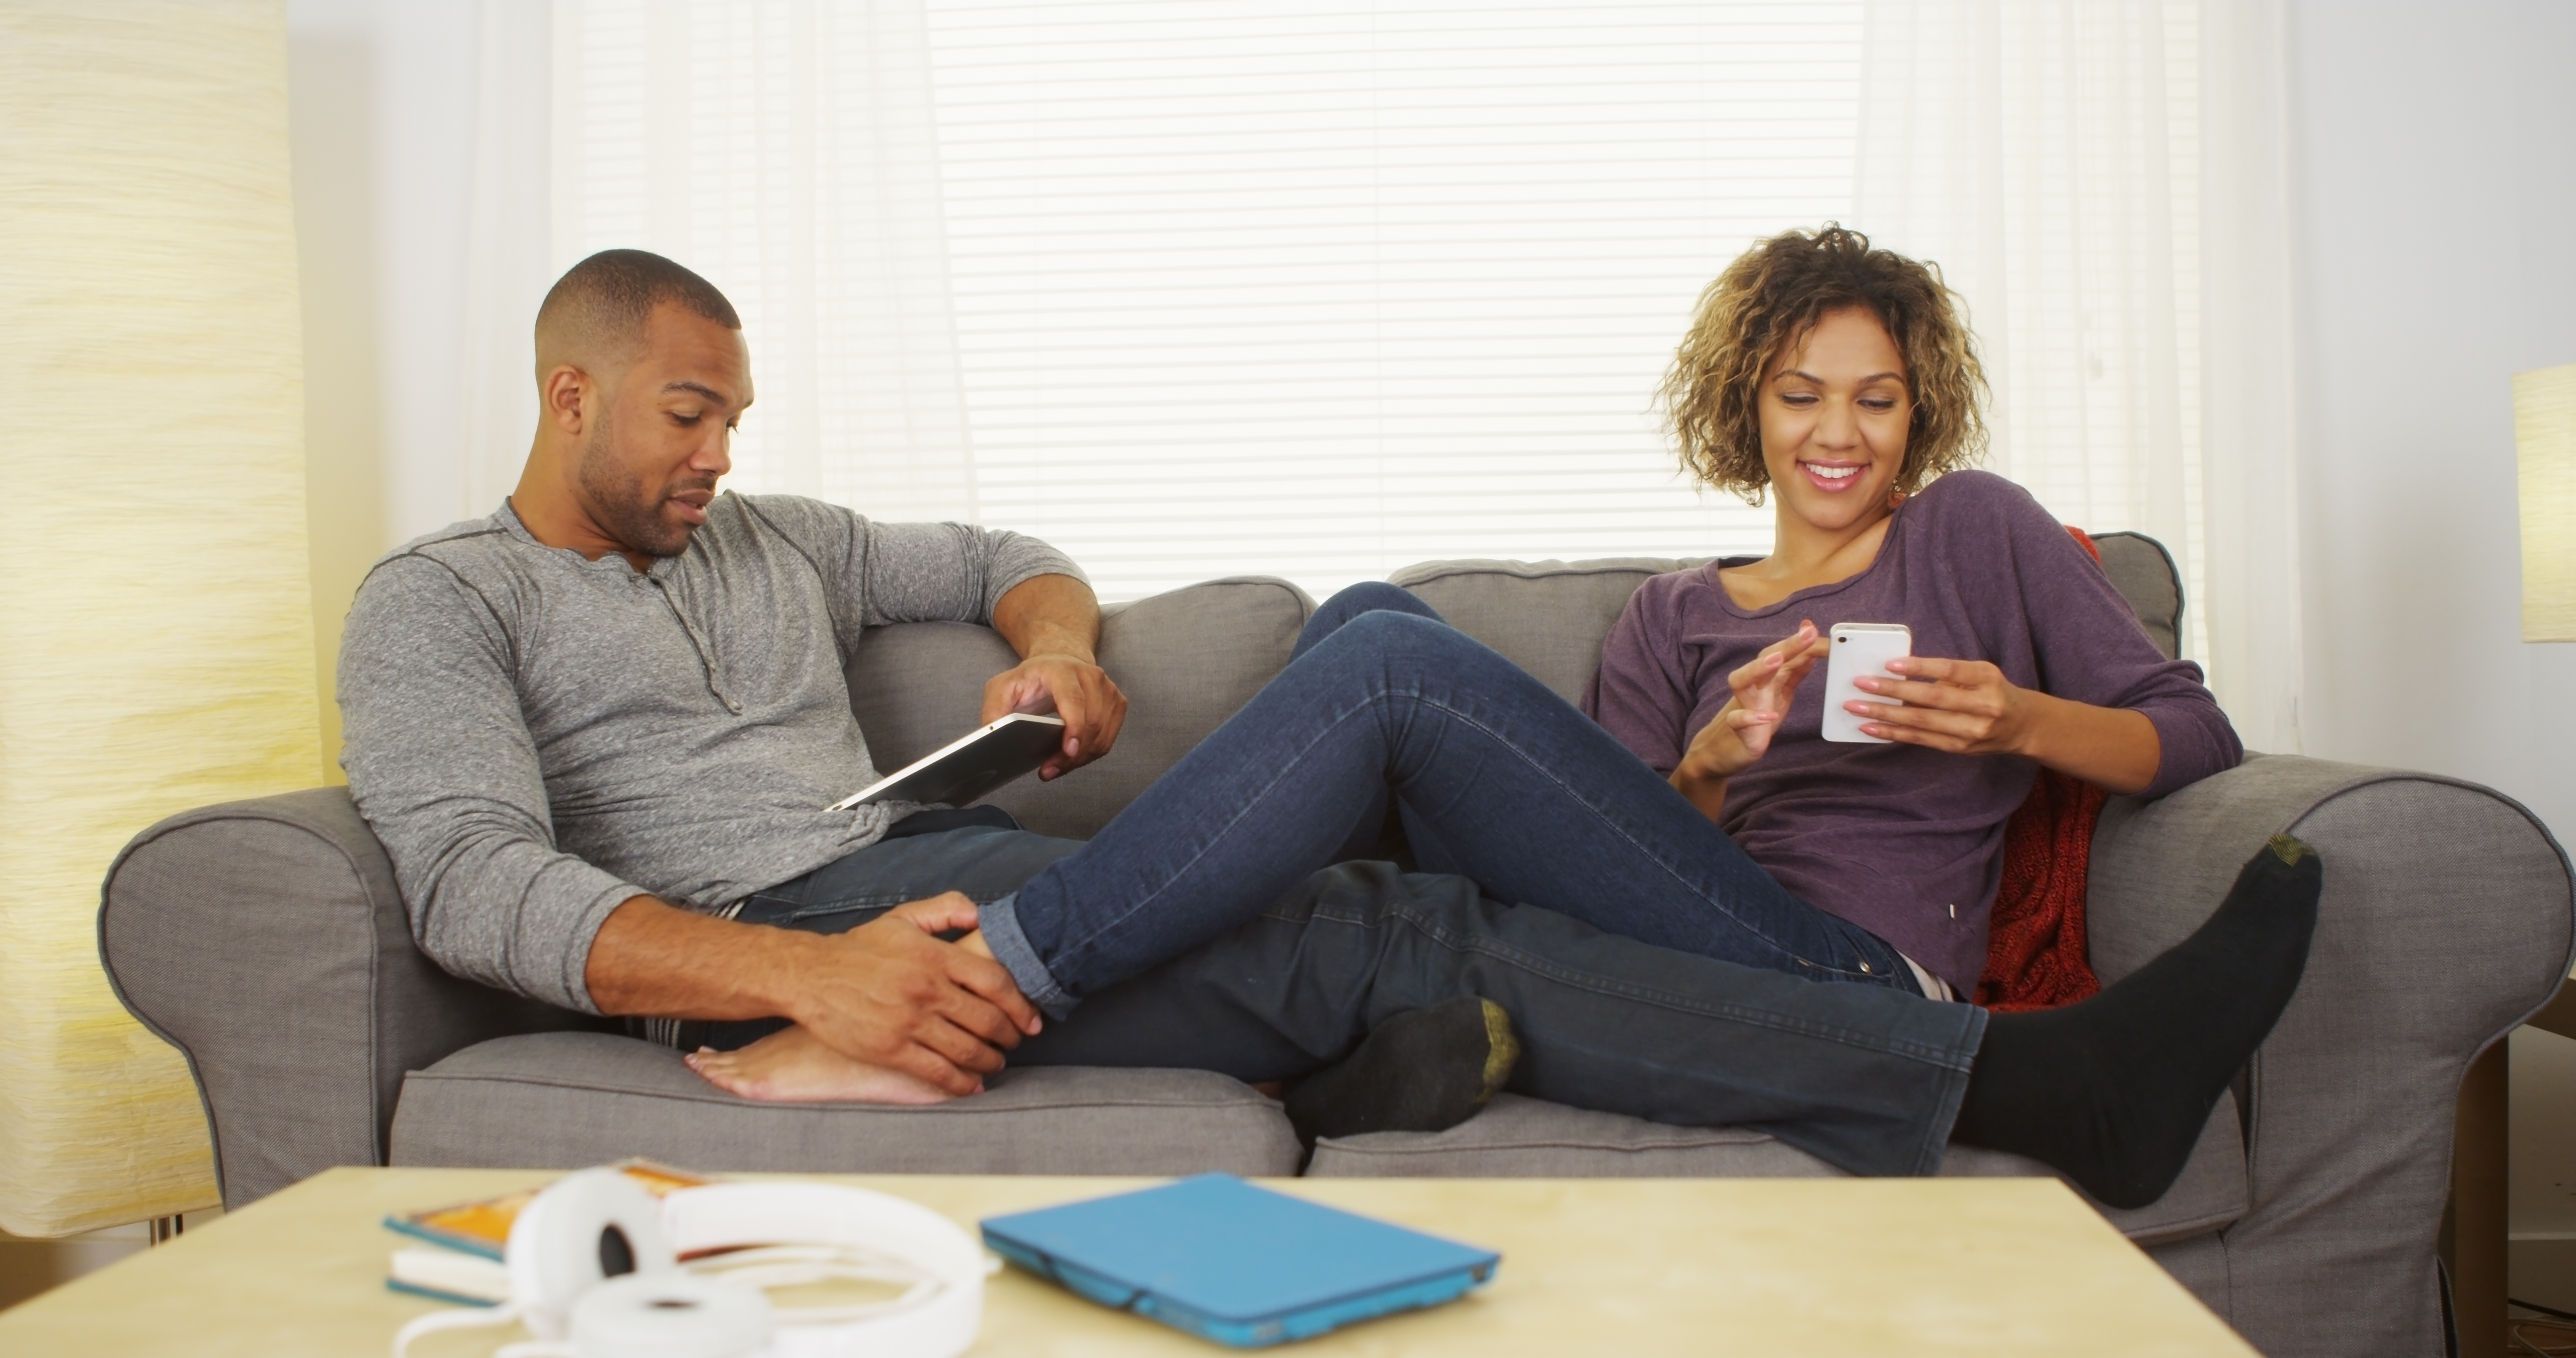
(1322,290)
(1194,288)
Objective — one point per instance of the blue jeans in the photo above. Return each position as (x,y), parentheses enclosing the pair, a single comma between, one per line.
(1499,779)
(1867,1077)
(979,851)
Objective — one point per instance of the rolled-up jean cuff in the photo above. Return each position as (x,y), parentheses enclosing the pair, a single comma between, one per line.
(1954,1091)
(1000,922)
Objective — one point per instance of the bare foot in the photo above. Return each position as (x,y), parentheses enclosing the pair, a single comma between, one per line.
(793,1066)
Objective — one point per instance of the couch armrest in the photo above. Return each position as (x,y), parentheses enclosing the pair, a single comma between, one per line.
(2447,918)
(267,942)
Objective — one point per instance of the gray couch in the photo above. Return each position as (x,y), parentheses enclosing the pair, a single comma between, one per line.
(266,940)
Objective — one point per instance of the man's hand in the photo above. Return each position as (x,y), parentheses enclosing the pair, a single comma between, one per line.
(891,994)
(1053,621)
(1071,687)
(888,992)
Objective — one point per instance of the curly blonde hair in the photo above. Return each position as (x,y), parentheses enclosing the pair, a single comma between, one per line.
(1764,305)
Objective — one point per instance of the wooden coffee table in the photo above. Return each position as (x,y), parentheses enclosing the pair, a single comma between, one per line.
(1627,1266)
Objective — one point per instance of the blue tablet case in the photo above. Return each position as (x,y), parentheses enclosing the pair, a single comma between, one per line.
(1241,1265)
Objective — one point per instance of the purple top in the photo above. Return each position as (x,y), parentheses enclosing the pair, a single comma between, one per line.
(1905,842)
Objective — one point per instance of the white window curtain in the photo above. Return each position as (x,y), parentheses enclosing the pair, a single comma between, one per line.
(2102,179)
(1195,288)
(784,150)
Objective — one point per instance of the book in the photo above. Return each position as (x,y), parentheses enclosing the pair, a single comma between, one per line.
(478,1233)
(450,1275)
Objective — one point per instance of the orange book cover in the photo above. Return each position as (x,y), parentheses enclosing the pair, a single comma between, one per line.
(484,1227)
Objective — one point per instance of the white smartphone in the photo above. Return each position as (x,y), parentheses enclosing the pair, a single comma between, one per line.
(1860,649)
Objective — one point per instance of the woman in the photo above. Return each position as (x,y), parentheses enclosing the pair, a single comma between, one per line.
(1839,380)
(1858,380)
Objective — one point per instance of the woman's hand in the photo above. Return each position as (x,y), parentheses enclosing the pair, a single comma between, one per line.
(1741,732)
(1969,707)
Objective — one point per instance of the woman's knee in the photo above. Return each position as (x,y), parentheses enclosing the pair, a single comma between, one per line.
(1359,601)
(1407,644)
(1373,596)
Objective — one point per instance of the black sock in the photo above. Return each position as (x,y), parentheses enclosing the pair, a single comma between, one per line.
(1424,1070)
(2113,1092)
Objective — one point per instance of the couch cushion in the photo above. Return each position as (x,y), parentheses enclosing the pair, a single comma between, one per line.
(1548,617)
(1528,1138)
(550,1100)
(1186,659)
(2143,571)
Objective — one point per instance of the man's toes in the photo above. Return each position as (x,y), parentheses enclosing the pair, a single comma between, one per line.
(721,1069)
(736,1081)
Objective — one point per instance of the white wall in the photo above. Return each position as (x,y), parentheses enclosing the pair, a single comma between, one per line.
(382,119)
(384,143)
(2434,183)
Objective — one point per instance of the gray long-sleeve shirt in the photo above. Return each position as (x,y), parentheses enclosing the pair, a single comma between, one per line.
(537,737)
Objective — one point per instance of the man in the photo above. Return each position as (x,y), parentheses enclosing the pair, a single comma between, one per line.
(595,730)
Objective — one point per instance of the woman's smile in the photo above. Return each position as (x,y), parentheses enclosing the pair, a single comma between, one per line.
(1832,477)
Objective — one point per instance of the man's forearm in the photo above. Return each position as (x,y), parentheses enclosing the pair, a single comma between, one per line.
(1053,621)
(653,958)
(1050,615)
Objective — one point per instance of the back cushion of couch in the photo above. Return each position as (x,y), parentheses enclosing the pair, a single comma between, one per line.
(1186,661)
(2143,571)
(1189,658)
(1548,617)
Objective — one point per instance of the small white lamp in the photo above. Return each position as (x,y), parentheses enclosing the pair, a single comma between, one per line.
(2544,435)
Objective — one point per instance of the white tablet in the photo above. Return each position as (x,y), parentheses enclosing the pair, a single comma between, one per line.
(970,766)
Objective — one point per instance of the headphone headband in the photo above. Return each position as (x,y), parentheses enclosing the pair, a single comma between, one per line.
(593,1271)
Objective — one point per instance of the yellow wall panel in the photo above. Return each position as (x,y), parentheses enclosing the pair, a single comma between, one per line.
(158,651)
(2544,433)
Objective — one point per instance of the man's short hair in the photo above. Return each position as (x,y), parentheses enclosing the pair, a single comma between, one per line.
(599,307)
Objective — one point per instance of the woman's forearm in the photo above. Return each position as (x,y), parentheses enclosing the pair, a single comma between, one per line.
(2112,748)
(1707,792)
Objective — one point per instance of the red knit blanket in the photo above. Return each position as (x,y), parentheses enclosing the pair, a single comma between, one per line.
(2035,956)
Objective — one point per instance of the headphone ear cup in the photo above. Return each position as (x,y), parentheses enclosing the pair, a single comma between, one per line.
(583,1229)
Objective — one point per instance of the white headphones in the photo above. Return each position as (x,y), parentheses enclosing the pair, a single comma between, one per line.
(594,1273)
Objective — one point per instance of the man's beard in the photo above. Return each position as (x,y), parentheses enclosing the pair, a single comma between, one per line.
(620,503)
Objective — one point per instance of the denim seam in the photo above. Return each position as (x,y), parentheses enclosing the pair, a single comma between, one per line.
(1955,1061)
(1953,1094)
(1382,697)
(1115,926)
(1942,1056)
(1000,922)
(1602,816)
